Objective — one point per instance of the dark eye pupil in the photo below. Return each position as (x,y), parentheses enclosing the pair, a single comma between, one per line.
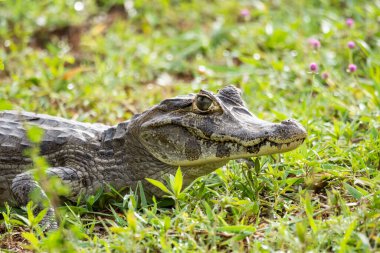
(203,103)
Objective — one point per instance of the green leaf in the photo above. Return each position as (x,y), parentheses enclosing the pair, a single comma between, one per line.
(142,194)
(290,181)
(7,221)
(238,229)
(167,223)
(93,198)
(301,231)
(40,216)
(129,199)
(309,212)
(158,184)
(364,46)
(90,201)
(257,166)
(29,211)
(35,134)
(171,182)
(209,212)
(24,219)
(178,180)
(355,193)
(5,217)
(347,236)
(132,221)
(31,238)
(5,105)
(117,218)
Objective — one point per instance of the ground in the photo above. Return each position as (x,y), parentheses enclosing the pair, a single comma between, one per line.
(315,61)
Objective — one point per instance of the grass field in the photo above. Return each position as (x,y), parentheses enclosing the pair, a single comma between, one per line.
(315,61)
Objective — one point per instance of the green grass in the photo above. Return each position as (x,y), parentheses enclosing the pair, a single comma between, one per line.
(102,65)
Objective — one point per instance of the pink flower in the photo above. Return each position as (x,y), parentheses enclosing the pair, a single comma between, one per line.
(325,75)
(351,45)
(352,68)
(350,22)
(314,43)
(245,13)
(313,67)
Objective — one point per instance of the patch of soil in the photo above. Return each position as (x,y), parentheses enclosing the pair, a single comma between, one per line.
(73,33)
(13,242)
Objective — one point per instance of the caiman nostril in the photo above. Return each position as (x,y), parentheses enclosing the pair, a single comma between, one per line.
(294,128)
(289,122)
(285,122)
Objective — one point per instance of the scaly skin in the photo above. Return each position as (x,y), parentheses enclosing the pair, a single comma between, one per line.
(199,132)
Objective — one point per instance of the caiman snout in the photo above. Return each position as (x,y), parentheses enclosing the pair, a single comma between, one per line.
(290,130)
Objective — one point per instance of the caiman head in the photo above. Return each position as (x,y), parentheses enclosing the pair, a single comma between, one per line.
(206,130)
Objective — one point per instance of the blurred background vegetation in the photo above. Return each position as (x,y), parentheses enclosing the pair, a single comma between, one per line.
(103,61)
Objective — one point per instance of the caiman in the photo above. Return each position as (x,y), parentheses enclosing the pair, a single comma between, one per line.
(198,132)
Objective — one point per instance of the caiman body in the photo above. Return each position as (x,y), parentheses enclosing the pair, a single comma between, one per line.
(199,132)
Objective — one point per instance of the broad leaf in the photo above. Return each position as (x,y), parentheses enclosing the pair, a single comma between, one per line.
(158,184)
(178,180)
(355,193)
(239,229)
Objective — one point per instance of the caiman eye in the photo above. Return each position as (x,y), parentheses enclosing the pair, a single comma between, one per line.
(203,103)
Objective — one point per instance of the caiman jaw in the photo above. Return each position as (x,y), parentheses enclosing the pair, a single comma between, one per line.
(278,138)
(280,147)
(225,147)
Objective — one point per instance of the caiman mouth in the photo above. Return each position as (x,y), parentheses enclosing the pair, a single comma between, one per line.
(280,146)
(252,146)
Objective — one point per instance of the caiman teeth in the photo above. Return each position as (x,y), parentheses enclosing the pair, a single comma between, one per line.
(286,141)
(249,144)
(272,143)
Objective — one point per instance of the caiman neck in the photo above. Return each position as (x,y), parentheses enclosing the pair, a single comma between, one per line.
(136,163)
(133,162)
